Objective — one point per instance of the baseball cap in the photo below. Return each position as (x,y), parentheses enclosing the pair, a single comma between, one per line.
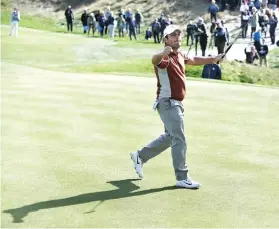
(170,29)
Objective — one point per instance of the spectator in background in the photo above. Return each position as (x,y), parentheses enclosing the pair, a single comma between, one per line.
(244,24)
(97,17)
(111,24)
(107,14)
(264,25)
(251,55)
(263,51)
(273,21)
(128,16)
(121,25)
(213,9)
(190,29)
(148,34)
(163,25)
(201,36)
(221,37)
(156,29)
(212,35)
(91,23)
(244,7)
(272,4)
(212,71)
(139,20)
(261,14)
(69,18)
(253,21)
(101,22)
(83,19)
(121,13)
(168,20)
(251,6)
(132,29)
(257,39)
(15,18)
(257,4)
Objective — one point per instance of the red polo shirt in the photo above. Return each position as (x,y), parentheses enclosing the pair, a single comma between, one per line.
(171,78)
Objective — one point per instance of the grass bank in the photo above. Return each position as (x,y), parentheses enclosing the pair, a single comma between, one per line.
(120,56)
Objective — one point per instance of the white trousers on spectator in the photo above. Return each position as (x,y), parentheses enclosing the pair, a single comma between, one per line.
(14,26)
(111,30)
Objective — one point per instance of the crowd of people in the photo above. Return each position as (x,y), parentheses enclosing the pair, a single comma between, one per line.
(260,20)
(252,14)
(105,23)
(256,16)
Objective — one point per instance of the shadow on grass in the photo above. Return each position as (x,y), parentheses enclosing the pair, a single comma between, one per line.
(125,189)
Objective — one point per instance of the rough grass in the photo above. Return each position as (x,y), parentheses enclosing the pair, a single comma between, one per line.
(119,56)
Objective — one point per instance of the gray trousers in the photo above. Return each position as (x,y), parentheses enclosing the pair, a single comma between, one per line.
(172,114)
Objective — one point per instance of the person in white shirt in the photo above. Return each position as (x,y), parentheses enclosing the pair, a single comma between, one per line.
(15,18)
(244,7)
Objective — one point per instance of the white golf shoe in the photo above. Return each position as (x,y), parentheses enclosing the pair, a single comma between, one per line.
(137,163)
(188,183)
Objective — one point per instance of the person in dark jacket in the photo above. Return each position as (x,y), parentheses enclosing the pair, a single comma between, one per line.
(148,34)
(156,29)
(213,9)
(251,55)
(69,15)
(263,53)
(102,23)
(200,36)
(163,25)
(190,32)
(257,39)
(132,29)
(273,21)
(272,4)
(221,37)
(212,71)
(83,19)
(139,19)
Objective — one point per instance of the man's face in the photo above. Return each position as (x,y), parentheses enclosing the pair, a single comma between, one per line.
(174,39)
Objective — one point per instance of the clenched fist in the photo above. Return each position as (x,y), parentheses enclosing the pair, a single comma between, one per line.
(167,50)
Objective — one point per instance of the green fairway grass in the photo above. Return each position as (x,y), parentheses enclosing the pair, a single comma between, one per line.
(66,139)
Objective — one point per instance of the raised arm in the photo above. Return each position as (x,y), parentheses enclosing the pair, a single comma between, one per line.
(196,60)
(157,58)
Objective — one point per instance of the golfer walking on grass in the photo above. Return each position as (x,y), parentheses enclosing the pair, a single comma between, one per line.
(169,66)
